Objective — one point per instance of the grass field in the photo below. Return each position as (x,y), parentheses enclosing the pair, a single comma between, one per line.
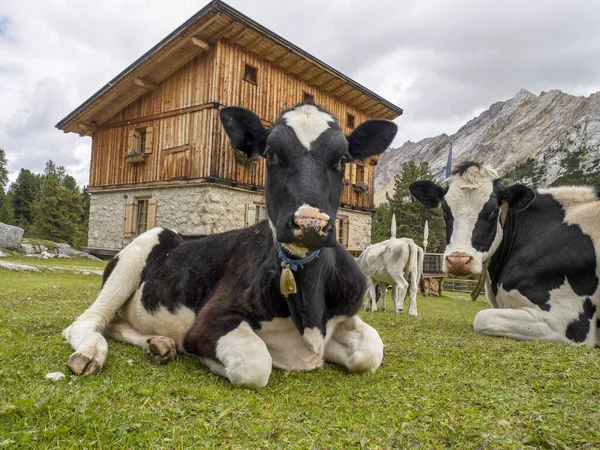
(441,386)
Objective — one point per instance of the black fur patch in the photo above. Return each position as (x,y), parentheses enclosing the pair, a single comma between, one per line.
(578,330)
(109,269)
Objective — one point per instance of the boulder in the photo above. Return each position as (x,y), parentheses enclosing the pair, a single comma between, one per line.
(10,236)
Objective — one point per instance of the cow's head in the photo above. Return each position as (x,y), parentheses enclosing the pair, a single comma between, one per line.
(473,203)
(306,153)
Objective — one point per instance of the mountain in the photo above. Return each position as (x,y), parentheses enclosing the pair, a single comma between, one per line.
(536,139)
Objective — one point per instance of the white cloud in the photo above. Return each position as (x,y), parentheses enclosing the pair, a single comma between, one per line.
(442,62)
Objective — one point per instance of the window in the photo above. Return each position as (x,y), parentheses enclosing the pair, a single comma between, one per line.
(140,140)
(350,121)
(360,172)
(260,213)
(141,216)
(250,74)
(307,97)
(255,213)
(342,230)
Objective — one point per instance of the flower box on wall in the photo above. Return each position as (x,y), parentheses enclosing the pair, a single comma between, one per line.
(136,157)
(362,188)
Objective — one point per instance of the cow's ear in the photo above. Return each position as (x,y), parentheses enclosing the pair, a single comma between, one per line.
(518,196)
(245,130)
(371,138)
(427,192)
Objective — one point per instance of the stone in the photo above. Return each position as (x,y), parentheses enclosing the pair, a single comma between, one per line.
(10,236)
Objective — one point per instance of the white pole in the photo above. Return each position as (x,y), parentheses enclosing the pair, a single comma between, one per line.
(393,227)
(425,236)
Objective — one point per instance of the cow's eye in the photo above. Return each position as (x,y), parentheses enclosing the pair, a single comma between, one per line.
(341,165)
(269,153)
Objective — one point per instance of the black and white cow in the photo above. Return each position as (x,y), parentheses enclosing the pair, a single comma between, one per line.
(541,252)
(219,298)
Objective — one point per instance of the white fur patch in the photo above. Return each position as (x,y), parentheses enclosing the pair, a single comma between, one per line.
(245,358)
(308,122)
(289,350)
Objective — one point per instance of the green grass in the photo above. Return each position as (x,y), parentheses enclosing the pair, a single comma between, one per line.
(57,263)
(441,386)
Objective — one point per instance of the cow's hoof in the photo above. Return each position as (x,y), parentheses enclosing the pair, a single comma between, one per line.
(79,364)
(162,349)
(412,313)
(400,311)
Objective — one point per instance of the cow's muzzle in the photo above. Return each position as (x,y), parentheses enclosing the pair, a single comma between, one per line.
(459,263)
(311,226)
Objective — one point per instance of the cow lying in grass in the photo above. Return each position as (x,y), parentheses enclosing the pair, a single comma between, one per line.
(540,252)
(395,262)
(281,293)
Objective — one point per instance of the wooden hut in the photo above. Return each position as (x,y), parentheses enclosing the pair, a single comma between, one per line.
(159,155)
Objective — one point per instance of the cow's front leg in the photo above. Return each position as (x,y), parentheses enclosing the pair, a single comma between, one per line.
(356,345)
(371,303)
(230,348)
(526,324)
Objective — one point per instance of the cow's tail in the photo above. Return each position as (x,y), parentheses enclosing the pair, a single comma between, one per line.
(121,280)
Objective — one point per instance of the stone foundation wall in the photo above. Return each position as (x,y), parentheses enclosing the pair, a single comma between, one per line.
(190,210)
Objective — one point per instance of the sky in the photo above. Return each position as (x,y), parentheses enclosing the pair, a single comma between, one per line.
(443,62)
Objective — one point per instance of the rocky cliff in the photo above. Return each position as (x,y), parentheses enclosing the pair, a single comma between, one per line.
(530,138)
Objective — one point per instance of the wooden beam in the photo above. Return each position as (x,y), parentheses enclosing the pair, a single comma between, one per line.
(294,66)
(337,90)
(87,127)
(363,103)
(281,58)
(372,109)
(354,97)
(266,52)
(200,43)
(240,35)
(162,115)
(224,32)
(331,85)
(208,23)
(309,76)
(145,84)
(321,79)
(254,43)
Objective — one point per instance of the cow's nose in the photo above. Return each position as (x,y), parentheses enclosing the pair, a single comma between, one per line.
(310,219)
(459,263)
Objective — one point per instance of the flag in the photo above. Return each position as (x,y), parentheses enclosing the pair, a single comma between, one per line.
(425,235)
(449,162)
(393,227)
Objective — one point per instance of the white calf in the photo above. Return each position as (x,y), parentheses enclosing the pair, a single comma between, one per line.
(395,262)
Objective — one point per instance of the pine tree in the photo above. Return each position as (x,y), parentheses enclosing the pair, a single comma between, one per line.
(6,213)
(410,214)
(23,193)
(56,212)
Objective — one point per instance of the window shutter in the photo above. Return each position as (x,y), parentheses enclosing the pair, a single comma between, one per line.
(350,235)
(353,174)
(151,213)
(250,214)
(128,218)
(149,136)
(131,141)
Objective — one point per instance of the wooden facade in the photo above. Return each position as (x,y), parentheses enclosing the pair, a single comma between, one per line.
(171,96)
